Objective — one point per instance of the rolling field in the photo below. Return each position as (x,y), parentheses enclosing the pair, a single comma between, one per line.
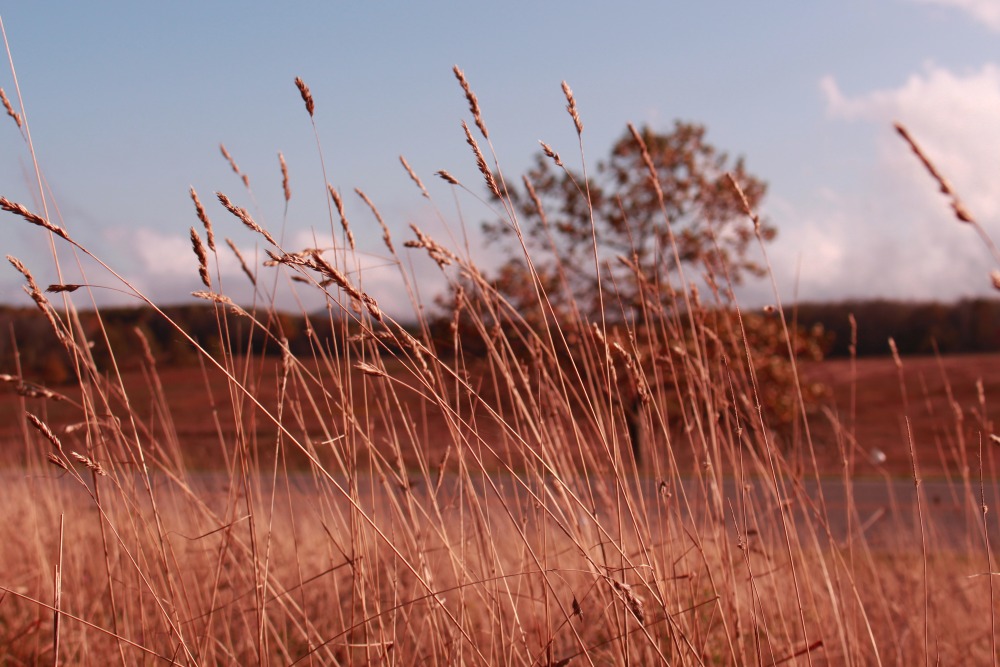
(641,473)
(417,542)
(935,387)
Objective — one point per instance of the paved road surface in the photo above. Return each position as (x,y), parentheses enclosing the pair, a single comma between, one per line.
(884,511)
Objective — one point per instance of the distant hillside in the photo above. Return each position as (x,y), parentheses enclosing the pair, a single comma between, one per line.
(28,343)
(970,325)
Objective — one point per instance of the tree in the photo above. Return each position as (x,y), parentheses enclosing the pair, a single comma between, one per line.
(637,257)
(644,232)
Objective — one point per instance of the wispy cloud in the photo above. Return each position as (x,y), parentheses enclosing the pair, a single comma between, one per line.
(896,237)
(955,117)
(164,268)
(986,12)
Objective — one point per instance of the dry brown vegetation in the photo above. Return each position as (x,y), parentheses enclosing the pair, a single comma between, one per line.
(398,498)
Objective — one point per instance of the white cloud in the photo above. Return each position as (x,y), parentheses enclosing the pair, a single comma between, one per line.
(895,235)
(161,255)
(956,120)
(164,268)
(984,11)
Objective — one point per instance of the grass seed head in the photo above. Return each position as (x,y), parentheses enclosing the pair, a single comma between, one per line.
(18,209)
(203,217)
(551,154)
(55,460)
(481,161)
(306,95)
(234,166)
(441,255)
(90,463)
(199,251)
(371,370)
(63,287)
(447,177)
(414,177)
(245,217)
(44,430)
(284,178)
(213,297)
(957,207)
(386,236)
(477,115)
(344,224)
(10,110)
(571,108)
(243,263)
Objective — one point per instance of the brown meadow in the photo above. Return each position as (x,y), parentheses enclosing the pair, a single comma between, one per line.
(401,496)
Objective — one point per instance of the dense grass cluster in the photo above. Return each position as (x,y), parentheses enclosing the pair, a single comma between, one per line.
(543,491)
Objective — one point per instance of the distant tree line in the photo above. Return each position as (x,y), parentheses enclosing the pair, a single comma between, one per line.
(969,325)
(28,342)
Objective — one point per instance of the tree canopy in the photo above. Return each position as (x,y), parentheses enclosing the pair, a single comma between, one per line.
(641,236)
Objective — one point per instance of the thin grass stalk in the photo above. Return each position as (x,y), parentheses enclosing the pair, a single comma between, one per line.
(923,545)
(57,595)
(566,566)
(31,149)
(989,557)
(252,399)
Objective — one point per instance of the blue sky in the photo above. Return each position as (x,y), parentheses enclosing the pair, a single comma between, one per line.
(128,103)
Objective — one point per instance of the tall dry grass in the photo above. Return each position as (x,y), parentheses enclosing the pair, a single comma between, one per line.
(545,491)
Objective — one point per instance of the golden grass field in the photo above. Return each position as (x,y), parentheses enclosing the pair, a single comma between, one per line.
(398,498)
